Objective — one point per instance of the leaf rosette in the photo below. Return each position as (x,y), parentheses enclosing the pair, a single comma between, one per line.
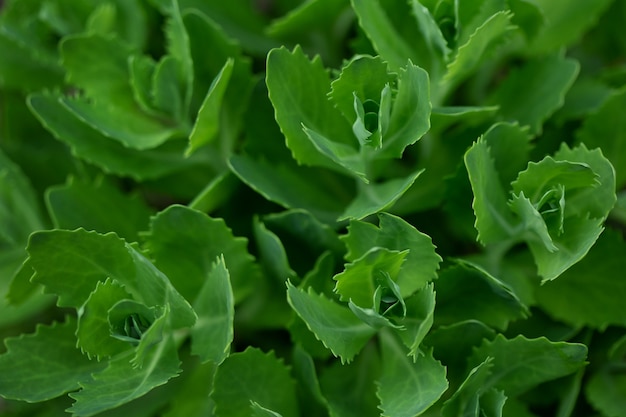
(557,206)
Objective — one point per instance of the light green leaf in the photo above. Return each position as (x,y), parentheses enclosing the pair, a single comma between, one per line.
(372,198)
(378,26)
(408,387)
(177,45)
(71,263)
(345,156)
(410,112)
(574,297)
(420,309)
(45,364)
(535,228)
(579,236)
(334,325)
(212,334)
(304,103)
(593,201)
(468,292)
(207,121)
(255,376)
(606,129)
(184,242)
(494,220)
(509,145)
(481,42)
(166,93)
(372,318)
(93,333)
(530,95)
(97,206)
(421,262)
(364,77)
(121,382)
(520,364)
(359,280)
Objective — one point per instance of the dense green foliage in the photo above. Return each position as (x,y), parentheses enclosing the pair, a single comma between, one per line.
(312,208)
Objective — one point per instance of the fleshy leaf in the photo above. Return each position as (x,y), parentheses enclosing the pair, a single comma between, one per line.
(212,334)
(304,103)
(535,228)
(420,309)
(410,113)
(466,400)
(372,198)
(82,259)
(93,333)
(252,375)
(45,364)
(574,297)
(97,206)
(360,278)
(122,382)
(520,363)
(183,243)
(259,411)
(606,129)
(530,95)
(207,121)
(483,40)
(494,220)
(408,387)
(468,292)
(334,325)
(272,253)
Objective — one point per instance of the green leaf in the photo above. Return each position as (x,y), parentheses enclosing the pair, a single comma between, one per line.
(207,122)
(466,400)
(345,156)
(165,90)
(93,333)
(420,309)
(359,280)
(45,364)
(97,206)
(520,363)
(509,145)
(574,297)
(421,262)
(89,144)
(531,94)
(178,46)
(184,242)
(535,228)
(410,112)
(272,253)
(372,198)
(483,40)
(212,334)
(290,187)
(260,411)
(255,376)
(334,325)
(121,382)
(71,263)
(606,390)
(378,26)
(408,387)
(347,398)
(112,109)
(606,129)
(494,220)
(304,103)
(364,77)
(468,292)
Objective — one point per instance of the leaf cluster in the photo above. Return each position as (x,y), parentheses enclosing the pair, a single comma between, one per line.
(316,208)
